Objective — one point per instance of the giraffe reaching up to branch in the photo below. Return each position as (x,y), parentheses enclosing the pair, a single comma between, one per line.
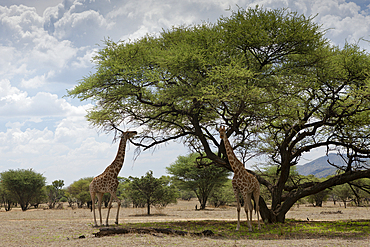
(243,182)
(107,182)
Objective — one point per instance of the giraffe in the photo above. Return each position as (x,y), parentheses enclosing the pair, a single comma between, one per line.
(107,182)
(243,182)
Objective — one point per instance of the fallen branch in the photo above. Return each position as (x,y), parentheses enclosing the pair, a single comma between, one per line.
(106,231)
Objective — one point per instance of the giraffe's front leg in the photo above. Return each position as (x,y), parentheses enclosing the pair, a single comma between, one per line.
(248,210)
(100,199)
(92,194)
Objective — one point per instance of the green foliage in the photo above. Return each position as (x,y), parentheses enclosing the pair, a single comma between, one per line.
(187,194)
(222,195)
(343,192)
(318,198)
(79,191)
(23,186)
(151,191)
(63,199)
(123,191)
(54,192)
(187,175)
(69,197)
(196,74)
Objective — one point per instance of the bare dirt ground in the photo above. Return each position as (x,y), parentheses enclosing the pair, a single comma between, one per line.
(44,227)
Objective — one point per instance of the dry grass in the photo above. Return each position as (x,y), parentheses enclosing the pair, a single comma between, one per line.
(39,227)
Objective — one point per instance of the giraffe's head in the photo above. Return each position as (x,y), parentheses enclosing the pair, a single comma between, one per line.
(129,134)
(222,131)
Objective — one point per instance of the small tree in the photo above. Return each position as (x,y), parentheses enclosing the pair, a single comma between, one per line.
(54,192)
(152,191)
(23,185)
(343,192)
(69,198)
(80,190)
(318,198)
(321,196)
(200,178)
(222,195)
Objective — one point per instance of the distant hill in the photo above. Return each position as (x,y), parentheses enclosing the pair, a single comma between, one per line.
(320,167)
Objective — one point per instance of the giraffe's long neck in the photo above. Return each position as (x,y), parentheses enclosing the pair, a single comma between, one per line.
(117,163)
(233,160)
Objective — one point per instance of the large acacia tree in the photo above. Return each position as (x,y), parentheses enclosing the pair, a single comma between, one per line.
(270,76)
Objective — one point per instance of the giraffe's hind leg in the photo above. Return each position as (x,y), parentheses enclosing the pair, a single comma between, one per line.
(119,205)
(236,192)
(109,206)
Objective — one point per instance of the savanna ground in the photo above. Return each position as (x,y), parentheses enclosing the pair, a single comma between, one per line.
(327,226)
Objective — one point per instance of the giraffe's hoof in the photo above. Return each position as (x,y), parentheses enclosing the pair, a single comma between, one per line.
(250,230)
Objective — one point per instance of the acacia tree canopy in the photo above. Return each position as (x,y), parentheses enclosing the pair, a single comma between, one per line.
(23,185)
(270,76)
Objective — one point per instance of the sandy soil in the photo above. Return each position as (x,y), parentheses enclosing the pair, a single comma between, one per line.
(39,227)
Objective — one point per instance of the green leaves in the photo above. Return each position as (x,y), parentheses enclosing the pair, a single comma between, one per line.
(200,179)
(151,191)
(22,185)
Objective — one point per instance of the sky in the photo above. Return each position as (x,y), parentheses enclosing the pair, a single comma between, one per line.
(46,47)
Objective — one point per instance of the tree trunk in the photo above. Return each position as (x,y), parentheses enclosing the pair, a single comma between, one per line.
(8,205)
(202,205)
(24,206)
(148,204)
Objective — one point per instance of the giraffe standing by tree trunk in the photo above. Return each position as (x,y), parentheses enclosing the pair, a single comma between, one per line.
(243,182)
(107,182)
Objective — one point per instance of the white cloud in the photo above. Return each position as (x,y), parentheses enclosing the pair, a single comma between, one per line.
(15,103)
(29,52)
(36,81)
(6,90)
